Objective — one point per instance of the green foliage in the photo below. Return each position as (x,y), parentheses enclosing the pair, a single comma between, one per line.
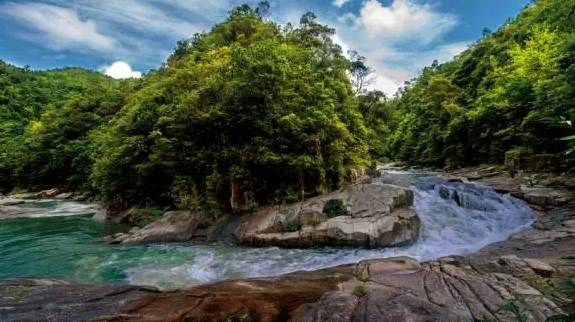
(45,121)
(359,290)
(511,89)
(561,318)
(514,311)
(245,114)
(334,208)
(248,113)
(291,226)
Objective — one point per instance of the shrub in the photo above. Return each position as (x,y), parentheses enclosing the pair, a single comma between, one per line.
(334,208)
(291,226)
(359,291)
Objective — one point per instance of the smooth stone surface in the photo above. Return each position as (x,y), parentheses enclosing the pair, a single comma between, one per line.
(174,226)
(378,216)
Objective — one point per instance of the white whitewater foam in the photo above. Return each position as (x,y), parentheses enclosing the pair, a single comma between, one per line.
(457,219)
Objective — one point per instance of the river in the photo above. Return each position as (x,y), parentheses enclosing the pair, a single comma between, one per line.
(60,240)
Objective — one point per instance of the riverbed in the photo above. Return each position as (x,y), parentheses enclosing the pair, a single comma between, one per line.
(60,240)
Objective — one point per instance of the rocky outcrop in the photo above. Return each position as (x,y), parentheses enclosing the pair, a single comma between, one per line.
(50,300)
(174,226)
(373,215)
(547,192)
(396,289)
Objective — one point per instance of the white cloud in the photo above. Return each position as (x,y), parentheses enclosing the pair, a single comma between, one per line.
(398,40)
(121,70)
(339,3)
(61,28)
(140,16)
(391,73)
(404,19)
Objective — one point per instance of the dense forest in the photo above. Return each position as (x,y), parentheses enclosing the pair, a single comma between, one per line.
(511,92)
(254,113)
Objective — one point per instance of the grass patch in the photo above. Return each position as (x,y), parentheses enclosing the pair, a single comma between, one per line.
(291,226)
(359,291)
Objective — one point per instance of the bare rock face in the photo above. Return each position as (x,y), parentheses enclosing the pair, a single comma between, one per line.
(174,226)
(544,196)
(401,289)
(374,215)
(50,300)
(385,290)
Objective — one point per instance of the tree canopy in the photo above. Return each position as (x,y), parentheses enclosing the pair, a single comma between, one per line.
(254,113)
(511,90)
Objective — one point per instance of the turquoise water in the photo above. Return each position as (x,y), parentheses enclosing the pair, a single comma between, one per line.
(62,241)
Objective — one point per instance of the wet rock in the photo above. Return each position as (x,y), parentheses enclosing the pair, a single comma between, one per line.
(65,195)
(377,216)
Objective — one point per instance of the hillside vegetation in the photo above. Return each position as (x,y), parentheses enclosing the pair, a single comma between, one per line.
(254,113)
(511,91)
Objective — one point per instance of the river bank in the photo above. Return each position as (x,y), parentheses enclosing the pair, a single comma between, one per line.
(527,270)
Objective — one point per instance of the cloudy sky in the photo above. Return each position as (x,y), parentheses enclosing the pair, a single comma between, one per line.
(128,37)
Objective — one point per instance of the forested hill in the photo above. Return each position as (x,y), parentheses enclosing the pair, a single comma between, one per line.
(511,92)
(253,113)
(45,117)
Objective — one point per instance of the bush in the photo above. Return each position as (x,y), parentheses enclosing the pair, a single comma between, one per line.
(291,226)
(359,291)
(334,208)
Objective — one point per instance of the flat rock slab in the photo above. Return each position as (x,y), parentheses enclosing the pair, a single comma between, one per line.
(396,289)
(49,300)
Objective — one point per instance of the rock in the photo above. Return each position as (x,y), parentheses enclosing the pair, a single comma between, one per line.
(521,266)
(310,217)
(51,193)
(540,268)
(120,217)
(378,217)
(49,300)
(174,226)
(65,195)
(394,289)
(545,196)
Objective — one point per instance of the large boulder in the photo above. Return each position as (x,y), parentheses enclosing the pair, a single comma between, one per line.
(174,226)
(374,215)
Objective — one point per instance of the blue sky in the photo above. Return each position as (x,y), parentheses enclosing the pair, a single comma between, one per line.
(126,37)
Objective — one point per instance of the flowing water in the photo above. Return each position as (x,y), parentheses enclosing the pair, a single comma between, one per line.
(61,242)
